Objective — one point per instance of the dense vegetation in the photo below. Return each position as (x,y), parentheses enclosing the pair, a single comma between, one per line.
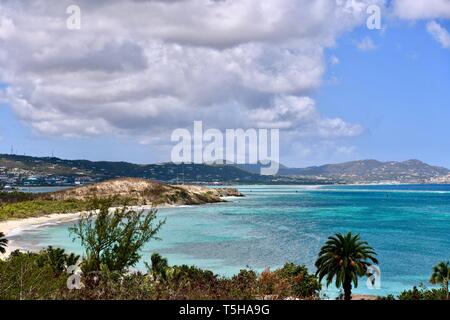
(40,276)
(16,205)
(14,197)
(423,293)
(35,208)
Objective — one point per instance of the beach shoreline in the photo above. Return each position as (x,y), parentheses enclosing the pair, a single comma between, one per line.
(14,227)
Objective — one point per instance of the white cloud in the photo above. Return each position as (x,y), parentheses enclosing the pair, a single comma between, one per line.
(422,9)
(301,115)
(334,60)
(439,33)
(426,9)
(143,68)
(366,44)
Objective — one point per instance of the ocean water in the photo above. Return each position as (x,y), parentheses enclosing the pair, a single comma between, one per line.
(42,189)
(408,226)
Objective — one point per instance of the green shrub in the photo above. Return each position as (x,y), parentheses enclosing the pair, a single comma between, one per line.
(423,293)
(189,282)
(112,285)
(244,285)
(15,196)
(114,239)
(23,277)
(35,208)
(159,268)
(43,276)
(57,259)
(303,284)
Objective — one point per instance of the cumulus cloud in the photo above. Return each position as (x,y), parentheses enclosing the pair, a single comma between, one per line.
(426,9)
(439,33)
(300,115)
(422,9)
(143,68)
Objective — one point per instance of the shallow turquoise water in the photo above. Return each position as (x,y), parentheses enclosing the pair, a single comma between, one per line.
(42,189)
(407,225)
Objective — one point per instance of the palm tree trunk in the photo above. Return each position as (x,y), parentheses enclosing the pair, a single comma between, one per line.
(347,290)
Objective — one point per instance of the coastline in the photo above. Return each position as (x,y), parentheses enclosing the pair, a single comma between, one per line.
(196,219)
(16,226)
(151,194)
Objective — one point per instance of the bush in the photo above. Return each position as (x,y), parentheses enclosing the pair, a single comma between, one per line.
(302,284)
(111,285)
(423,293)
(23,277)
(15,196)
(34,208)
(44,275)
(244,285)
(113,240)
(159,268)
(188,282)
(57,259)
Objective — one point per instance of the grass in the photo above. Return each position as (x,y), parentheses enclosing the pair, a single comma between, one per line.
(36,208)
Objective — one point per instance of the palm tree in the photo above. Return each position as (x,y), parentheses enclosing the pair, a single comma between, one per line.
(3,243)
(345,258)
(159,266)
(441,275)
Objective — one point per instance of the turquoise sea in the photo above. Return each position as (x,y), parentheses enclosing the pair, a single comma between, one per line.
(408,225)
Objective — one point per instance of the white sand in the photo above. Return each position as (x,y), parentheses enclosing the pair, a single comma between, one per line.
(13,227)
(16,226)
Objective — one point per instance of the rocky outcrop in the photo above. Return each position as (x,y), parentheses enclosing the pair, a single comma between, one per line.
(145,192)
(229,192)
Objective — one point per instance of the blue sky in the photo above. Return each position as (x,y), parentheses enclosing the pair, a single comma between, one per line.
(398,92)
(19,136)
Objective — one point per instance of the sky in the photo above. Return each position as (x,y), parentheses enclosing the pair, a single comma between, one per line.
(116,88)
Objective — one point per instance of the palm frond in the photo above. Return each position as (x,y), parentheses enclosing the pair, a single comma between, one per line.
(344,258)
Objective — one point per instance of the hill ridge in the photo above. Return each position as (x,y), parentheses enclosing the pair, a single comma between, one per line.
(369,170)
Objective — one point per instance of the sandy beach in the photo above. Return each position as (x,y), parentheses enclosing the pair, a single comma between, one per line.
(16,226)
(13,227)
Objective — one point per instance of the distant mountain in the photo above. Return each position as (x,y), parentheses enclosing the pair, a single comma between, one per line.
(18,170)
(103,170)
(372,170)
(255,168)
